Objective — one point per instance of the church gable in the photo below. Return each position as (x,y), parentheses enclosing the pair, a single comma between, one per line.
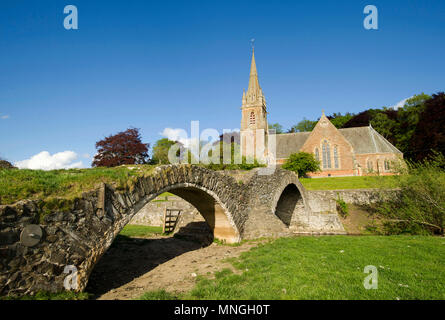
(329,146)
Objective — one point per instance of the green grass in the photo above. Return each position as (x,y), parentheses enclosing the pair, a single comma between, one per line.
(158,295)
(331,267)
(38,184)
(338,183)
(132,230)
(66,295)
(163,197)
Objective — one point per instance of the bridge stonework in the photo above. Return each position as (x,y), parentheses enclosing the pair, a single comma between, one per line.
(263,206)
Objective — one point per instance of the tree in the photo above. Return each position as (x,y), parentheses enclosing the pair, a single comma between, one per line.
(408,117)
(304,125)
(339,120)
(160,151)
(419,205)
(302,163)
(278,127)
(384,125)
(122,148)
(429,133)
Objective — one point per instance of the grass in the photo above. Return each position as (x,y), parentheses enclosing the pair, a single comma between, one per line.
(163,197)
(38,184)
(66,295)
(331,267)
(158,295)
(338,183)
(132,230)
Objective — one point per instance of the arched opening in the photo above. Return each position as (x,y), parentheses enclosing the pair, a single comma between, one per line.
(131,257)
(252,118)
(289,204)
(212,211)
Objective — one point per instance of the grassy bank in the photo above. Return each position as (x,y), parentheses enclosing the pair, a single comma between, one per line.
(409,267)
(22,184)
(338,183)
(38,184)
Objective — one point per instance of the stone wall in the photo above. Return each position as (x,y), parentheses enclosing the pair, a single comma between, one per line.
(152,214)
(353,196)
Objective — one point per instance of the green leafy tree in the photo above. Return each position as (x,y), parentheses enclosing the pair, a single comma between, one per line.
(339,120)
(235,153)
(384,125)
(408,117)
(278,127)
(160,151)
(304,125)
(302,163)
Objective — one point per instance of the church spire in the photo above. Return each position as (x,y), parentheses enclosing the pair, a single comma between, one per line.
(254,92)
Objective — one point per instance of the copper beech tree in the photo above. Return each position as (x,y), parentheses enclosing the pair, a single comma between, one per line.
(122,148)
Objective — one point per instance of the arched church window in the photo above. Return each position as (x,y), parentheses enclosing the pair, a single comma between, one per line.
(317,154)
(387,167)
(335,157)
(370,167)
(252,117)
(326,155)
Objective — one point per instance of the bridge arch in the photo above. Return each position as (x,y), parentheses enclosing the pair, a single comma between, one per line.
(208,204)
(290,203)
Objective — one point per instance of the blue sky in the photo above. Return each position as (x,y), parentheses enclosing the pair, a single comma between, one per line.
(161,64)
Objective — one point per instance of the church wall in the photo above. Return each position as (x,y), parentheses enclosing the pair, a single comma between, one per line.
(325,130)
(378,163)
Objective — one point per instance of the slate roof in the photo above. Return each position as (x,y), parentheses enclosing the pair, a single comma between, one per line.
(364,140)
(288,143)
(367,140)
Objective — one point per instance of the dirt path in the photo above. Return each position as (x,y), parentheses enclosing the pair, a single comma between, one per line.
(133,266)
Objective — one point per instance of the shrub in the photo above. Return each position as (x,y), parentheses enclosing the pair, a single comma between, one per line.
(342,207)
(419,207)
(6,165)
(302,163)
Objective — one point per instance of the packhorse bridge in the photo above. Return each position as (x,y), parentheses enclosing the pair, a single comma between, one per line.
(34,252)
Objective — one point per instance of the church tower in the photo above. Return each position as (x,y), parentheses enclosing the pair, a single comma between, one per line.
(254,127)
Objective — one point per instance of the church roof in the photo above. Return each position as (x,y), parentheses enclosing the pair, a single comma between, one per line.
(367,140)
(288,143)
(364,140)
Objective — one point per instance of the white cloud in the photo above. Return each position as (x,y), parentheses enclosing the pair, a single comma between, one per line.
(400,104)
(4,117)
(178,135)
(45,161)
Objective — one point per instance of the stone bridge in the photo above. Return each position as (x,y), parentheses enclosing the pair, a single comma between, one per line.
(34,251)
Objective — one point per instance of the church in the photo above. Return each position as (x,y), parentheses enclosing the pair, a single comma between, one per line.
(355,151)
